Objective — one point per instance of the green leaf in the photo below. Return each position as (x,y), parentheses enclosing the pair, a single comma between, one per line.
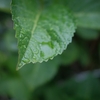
(88,20)
(87,12)
(43,29)
(39,74)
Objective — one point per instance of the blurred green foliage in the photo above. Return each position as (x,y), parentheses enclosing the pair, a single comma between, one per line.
(5,5)
(74,75)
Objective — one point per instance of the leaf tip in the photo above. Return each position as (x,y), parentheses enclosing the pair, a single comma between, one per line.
(18,67)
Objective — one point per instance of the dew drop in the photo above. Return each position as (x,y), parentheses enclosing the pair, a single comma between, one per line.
(46,60)
(51,58)
(41,61)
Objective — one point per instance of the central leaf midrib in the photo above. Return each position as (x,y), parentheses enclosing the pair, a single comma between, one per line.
(35,22)
(33,29)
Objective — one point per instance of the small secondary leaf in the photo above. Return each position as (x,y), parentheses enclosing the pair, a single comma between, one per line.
(87,12)
(39,74)
(43,29)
